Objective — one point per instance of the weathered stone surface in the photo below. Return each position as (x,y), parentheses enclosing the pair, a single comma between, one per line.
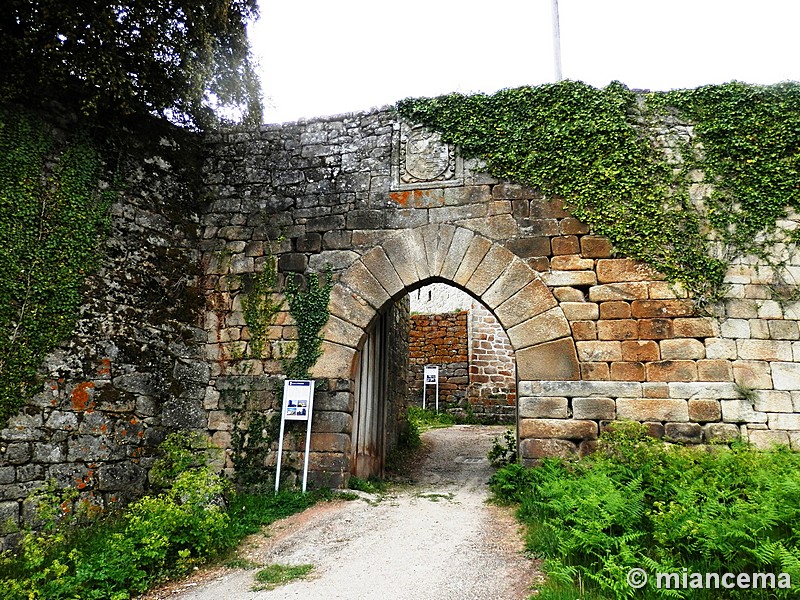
(672,370)
(704,389)
(360,280)
(580,311)
(618,291)
(682,349)
(615,309)
(703,410)
(687,433)
(478,247)
(767,440)
(752,374)
(770,350)
(785,421)
(571,278)
(330,442)
(640,350)
(556,359)
(549,408)
(533,449)
(543,327)
(697,327)
(350,307)
(437,243)
(773,401)
(741,411)
(496,260)
(332,422)
(786,376)
(381,268)
(594,408)
(714,370)
(720,432)
(558,428)
(595,247)
(121,477)
(574,389)
(336,362)
(512,280)
(600,351)
(645,409)
(617,270)
(342,332)
(459,245)
(627,371)
(617,329)
(531,300)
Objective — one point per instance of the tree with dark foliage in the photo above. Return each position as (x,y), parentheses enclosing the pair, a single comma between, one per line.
(187,60)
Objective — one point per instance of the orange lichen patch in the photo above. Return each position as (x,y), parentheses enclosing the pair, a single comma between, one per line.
(80,396)
(105,367)
(400,198)
(103,428)
(417,198)
(134,421)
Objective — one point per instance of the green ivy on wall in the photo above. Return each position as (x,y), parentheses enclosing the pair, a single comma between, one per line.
(596,149)
(309,308)
(259,308)
(52,218)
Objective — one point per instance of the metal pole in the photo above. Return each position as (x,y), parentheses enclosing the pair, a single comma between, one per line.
(280,452)
(308,441)
(557,42)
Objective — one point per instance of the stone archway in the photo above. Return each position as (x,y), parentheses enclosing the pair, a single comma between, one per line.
(526,309)
(504,283)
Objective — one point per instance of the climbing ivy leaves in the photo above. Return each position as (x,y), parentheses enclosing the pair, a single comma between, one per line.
(309,308)
(52,218)
(597,150)
(750,137)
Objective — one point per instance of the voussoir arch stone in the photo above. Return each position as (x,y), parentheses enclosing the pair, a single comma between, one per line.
(525,307)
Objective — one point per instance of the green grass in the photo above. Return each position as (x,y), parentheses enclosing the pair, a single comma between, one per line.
(274,575)
(425,418)
(640,503)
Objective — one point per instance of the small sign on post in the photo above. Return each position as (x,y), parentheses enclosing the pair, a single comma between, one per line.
(298,404)
(430,377)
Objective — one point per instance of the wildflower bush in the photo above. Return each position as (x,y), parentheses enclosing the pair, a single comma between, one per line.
(196,518)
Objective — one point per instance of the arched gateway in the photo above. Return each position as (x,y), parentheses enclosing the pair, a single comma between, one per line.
(389,207)
(536,326)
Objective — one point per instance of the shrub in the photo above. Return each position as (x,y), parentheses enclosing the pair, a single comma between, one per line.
(640,503)
(197,517)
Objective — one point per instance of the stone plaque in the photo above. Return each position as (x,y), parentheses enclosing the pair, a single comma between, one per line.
(423,160)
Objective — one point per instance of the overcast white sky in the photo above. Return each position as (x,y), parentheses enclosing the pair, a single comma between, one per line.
(325,57)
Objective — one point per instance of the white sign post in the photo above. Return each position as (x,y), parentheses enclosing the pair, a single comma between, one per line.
(430,377)
(298,402)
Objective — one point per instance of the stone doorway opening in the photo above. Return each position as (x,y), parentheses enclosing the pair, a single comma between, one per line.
(455,332)
(436,324)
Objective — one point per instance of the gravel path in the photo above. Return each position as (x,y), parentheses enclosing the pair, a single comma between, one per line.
(433,540)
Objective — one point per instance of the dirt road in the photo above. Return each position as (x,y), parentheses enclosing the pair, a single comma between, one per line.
(433,540)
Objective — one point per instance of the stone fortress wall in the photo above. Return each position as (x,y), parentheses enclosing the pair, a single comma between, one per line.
(162,343)
(597,337)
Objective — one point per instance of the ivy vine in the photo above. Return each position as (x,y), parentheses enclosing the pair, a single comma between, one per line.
(309,308)
(259,308)
(52,219)
(597,150)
